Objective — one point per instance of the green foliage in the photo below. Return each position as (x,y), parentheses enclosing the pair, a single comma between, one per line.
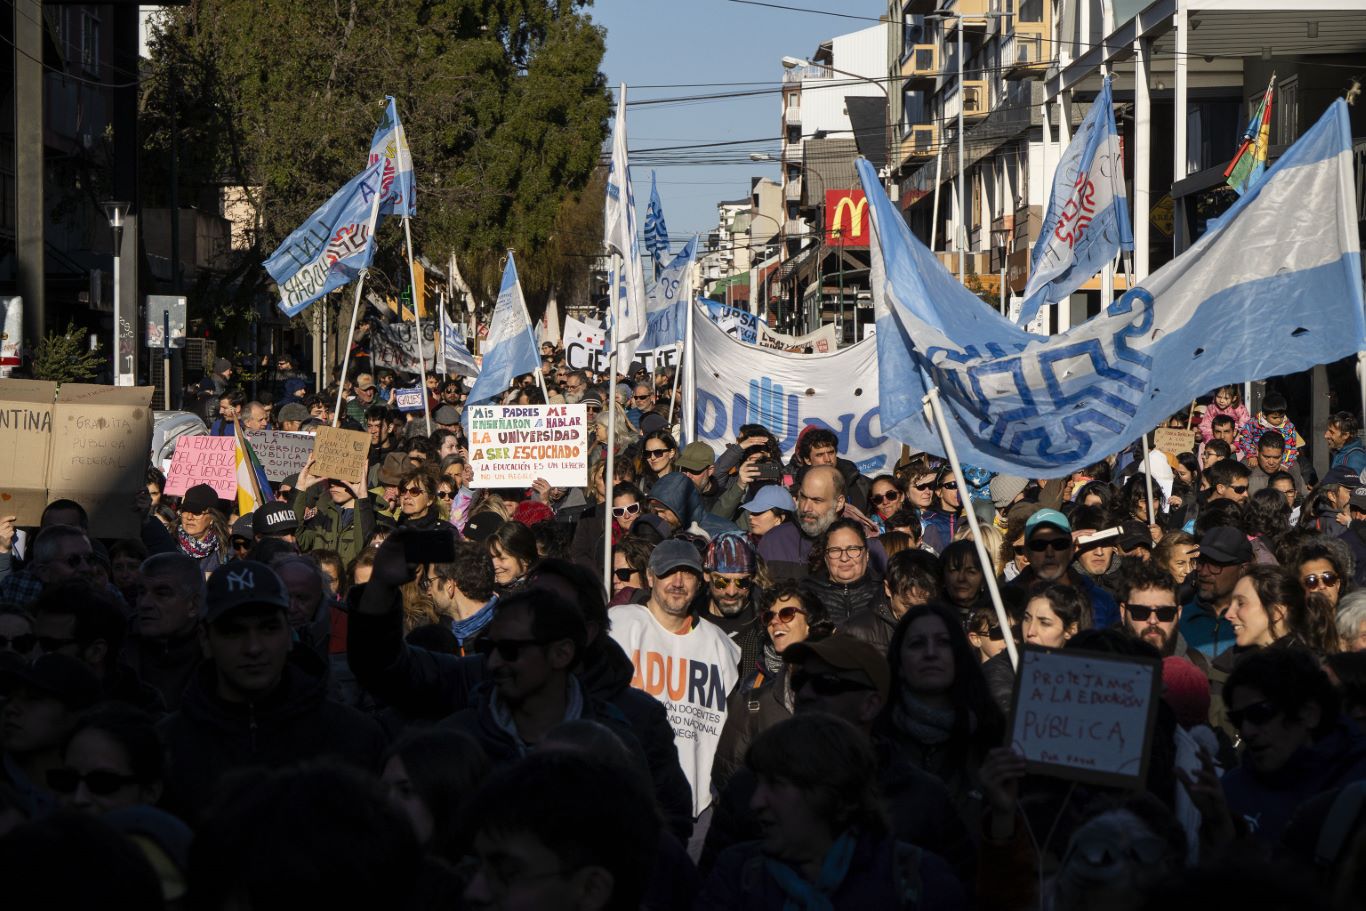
(501,100)
(62,357)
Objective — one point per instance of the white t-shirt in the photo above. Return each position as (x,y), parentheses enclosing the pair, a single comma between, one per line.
(692,674)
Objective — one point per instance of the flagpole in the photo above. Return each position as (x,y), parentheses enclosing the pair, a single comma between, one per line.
(690,378)
(350,340)
(417,316)
(932,402)
(1109,299)
(441,333)
(609,480)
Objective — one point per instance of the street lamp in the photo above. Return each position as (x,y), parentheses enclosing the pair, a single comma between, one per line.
(114,210)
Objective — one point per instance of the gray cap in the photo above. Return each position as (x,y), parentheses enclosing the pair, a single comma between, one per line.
(1005,488)
(446,414)
(672,554)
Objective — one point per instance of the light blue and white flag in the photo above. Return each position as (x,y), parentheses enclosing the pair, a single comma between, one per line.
(667,314)
(1250,299)
(1087,220)
(390,146)
(510,349)
(454,353)
(656,231)
(626,279)
(332,246)
(737,323)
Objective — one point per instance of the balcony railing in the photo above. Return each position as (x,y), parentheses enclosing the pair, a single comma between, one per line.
(922,62)
(923,141)
(976,100)
(1025,51)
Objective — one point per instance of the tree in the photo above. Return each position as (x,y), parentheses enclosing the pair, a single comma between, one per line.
(64,357)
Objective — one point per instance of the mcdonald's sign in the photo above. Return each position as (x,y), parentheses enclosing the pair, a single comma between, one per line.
(846,218)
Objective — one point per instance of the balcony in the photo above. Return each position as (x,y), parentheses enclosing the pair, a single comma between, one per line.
(792,117)
(792,190)
(972,13)
(976,99)
(1025,52)
(922,62)
(921,142)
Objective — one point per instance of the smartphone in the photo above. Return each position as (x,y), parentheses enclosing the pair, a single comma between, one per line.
(770,471)
(436,545)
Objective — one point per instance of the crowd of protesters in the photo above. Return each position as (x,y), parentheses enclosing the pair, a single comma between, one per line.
(791,691)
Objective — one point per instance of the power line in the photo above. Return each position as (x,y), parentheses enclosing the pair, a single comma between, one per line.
(806,9)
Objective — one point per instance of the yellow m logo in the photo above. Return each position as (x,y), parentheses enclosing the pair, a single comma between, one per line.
(856,212)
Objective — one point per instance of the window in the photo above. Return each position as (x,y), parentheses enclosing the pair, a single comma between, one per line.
(913,109)
(912,33)
(1031,11)
(1285,112)
(90,42)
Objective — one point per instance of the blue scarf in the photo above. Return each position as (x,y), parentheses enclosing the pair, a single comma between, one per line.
(472,625)
(806,896)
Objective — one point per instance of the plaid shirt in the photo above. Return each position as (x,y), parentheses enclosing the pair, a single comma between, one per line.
(20,589)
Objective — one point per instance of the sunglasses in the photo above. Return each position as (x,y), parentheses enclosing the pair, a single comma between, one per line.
(725,582)
(508,649)
(630,509)
(890,496)
(1141,612)
(949,485)
(100,782)
(1039,545)
(1238,488)
(640,398)
(826,684)
(1315,581)
(657,453)
(241,544)
(23,642)
(1258,713)
(444,495)
(928,485)
(783,615)
(991,632)
(413,491)
(624,574)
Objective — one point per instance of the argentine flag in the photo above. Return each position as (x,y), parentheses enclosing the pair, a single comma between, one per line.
(667,312)
(390,146)
(510,349)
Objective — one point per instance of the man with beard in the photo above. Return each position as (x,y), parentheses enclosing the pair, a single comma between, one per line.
(1225,555)
(1149,608)
(732,595)
(1048,538)
(820,501)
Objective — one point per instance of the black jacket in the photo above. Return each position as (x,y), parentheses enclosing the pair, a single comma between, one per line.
(210,737)
(756,705)
(166,665)
(844,601)
(874,625)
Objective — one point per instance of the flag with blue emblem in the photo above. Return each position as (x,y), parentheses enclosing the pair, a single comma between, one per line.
(454,353)
(1087,221)
(390,146)
(626,279)
(1249,299)
(333,244)
(656,231)
(510,349)
(667,313)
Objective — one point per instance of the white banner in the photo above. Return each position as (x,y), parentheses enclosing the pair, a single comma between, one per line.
(584,345)
(741,384)
(822,341)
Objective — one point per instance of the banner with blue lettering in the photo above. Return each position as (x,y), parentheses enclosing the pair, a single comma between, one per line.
(737,323)
(742,384)
(667,312)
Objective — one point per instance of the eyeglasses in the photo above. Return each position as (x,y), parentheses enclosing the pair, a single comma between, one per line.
(80,559)
(100,782)
(23,642)
(928,485)
(826,684)
(1259,713)
(725,582)
(782,615)
(508,649)
(624,574)
(1315,581)
(949,485)
(890,496)
(413,491)
(852,552)
(1039,545)
(444,495)
(1141,612)
(657,453)
(621,512)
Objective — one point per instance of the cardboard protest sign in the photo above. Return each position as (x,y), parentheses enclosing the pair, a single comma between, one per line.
(25,436)
(282,453)
(341,454)
(513,445)
(1174,440)
(101,437)
(203,460)
(1086,716)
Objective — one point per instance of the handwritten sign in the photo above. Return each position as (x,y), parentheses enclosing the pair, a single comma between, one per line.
(408,399)
(203,460)
(282,453)
(513,445)
(25,436)
(101,437)
(341,454)
(1087,716)
(1174,440)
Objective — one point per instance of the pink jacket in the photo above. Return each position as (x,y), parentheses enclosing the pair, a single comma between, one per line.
(1238,412)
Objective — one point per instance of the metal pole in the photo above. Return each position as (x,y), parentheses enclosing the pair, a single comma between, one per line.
(609,479)
(115,378)
(1143,132)
(1148,479)
(350,339)
(934,212)
(417,317)
(962,237)
(931,401)
(166,356)
(690,351)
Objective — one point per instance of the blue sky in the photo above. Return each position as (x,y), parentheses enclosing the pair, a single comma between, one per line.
(653,42)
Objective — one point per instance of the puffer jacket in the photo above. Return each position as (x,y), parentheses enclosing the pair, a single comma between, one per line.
(844,601)
(676,491)
(757,704)
(874,625)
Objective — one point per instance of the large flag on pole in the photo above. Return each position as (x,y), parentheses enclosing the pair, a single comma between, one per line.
(390,146)
(667,311)
(454,353)
(656,231)
(1087,221)
(1248,299)
(252,490)
(1250,160)
(509,350)
(332,246)
(619,236)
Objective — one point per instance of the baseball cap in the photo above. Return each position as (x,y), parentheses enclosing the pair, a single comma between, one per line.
(1226,546)
(674,554)
(242,528)
(446,414)
(365,381)
(696,456)
(1340,477)
(771,496)
(652,421)
(199,498)
(1358,497)
(847,654)
(293,412)
(1005,488)
(243,583)
(1050,518)
(69,679)
(392,468)
(482,525)
(274,519)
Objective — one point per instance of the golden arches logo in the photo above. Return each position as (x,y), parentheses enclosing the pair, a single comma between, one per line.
(857,212)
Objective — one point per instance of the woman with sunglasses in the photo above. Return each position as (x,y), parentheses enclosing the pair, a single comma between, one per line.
(885,497)
(630,557)
(628,505)
(1324,569)
(985,634)
(1269,606)
(418,505)
(789,615)
(113,760)
(841,577)
(940,716)
(658,452)
(940,520)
